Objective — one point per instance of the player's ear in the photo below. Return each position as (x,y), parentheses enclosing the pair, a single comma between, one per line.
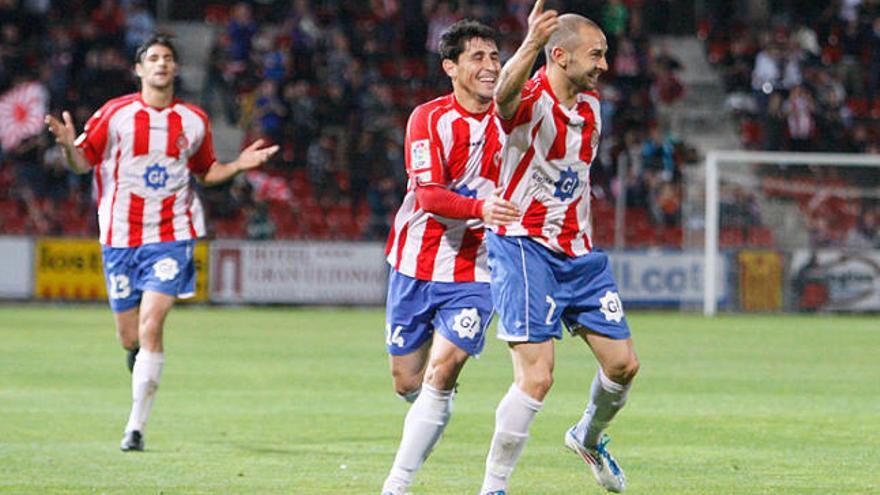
(450,68)
(138,70)
(560,56)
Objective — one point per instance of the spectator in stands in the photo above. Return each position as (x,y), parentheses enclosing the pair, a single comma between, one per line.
(108,23)
(799,113)
(218,80)
(139,25)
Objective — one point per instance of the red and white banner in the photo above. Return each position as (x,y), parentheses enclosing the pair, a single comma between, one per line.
(298,272)
(835,280)
(22,110)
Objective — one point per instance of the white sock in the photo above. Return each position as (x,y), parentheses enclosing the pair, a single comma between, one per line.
(144,383)
(424,424)
(513,417)
(606,398)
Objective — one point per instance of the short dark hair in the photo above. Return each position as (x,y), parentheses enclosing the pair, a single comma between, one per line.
(454,38)
(156,39)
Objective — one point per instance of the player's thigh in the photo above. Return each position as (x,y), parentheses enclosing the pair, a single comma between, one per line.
(121,279)
(593,300)
(523,290)
(533,364)
(153,311)
(409,309)
(463,311)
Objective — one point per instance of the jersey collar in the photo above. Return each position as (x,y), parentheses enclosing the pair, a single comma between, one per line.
(464,111)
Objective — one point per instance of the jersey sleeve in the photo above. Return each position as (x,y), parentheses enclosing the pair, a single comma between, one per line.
(524,111)
(200,162)
(441,201)
(93,140)
(424,156)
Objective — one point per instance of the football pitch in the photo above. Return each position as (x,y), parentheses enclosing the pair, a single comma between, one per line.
(277,400)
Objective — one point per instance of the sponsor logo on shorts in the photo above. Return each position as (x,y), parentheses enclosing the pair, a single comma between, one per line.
(166,269)
(467,323)
(611,306)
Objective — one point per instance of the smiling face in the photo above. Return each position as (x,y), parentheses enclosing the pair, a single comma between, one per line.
(157,67)
(475,72)
(584,61)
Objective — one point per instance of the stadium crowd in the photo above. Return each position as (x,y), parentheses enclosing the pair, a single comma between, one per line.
(332,82)
(808,81)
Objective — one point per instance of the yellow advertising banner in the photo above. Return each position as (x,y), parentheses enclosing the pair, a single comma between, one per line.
(71,269)
(760,280)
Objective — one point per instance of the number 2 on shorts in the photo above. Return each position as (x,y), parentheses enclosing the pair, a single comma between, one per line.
(551,310)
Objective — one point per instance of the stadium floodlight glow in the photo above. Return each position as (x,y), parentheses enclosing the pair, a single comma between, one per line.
(716,158)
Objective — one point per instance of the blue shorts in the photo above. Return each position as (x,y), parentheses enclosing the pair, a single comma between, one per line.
(165,267)
(536,290)
(460,311)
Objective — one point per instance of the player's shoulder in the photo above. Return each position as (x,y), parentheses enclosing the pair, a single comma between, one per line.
(589,94)
(425,116)
(108,109)
(202,114)
(440,104)
(114,104)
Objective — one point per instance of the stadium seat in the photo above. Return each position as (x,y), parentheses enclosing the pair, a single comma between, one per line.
(760,237)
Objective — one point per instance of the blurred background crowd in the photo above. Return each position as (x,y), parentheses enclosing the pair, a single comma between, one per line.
(333,83)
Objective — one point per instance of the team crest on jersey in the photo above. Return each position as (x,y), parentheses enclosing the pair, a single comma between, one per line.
(567,184)
(612,308)
(156,176)
(465,191)
(182,142)
(467,323)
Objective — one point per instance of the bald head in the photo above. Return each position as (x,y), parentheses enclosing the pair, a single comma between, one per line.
(568,34)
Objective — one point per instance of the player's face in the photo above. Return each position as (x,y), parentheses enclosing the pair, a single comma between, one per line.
(587,61)
(476,71)
(158,67)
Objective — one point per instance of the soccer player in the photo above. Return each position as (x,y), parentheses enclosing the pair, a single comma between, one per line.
(144,148)
(439,301)
(544,269)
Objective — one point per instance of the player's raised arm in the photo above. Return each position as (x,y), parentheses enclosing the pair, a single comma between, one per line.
(251,157)
(516,71)
(65,136)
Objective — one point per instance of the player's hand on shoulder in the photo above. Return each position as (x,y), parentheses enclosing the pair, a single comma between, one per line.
(64,132)
(499,211)
(256,154)
(541,24)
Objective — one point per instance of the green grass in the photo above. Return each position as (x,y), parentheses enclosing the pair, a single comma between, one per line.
(299,401)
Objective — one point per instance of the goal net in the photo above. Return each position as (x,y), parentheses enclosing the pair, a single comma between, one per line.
(793,232)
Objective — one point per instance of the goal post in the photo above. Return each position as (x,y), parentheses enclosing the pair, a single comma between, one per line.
(717,160)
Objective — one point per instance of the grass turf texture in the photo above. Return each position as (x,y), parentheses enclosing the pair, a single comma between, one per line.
(300,401)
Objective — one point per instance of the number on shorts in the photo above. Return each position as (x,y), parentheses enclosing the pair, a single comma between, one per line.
(551,310)
(393,337)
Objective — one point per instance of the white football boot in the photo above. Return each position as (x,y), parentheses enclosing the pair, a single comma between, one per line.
(605,469)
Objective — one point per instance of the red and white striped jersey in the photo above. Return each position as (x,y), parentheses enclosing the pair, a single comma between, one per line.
(143,157)
(545,167)
(447,146)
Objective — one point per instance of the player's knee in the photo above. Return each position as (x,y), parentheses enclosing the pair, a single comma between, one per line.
(537,385)
(623,371)
(443,374)
(128,337)
(406,385)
